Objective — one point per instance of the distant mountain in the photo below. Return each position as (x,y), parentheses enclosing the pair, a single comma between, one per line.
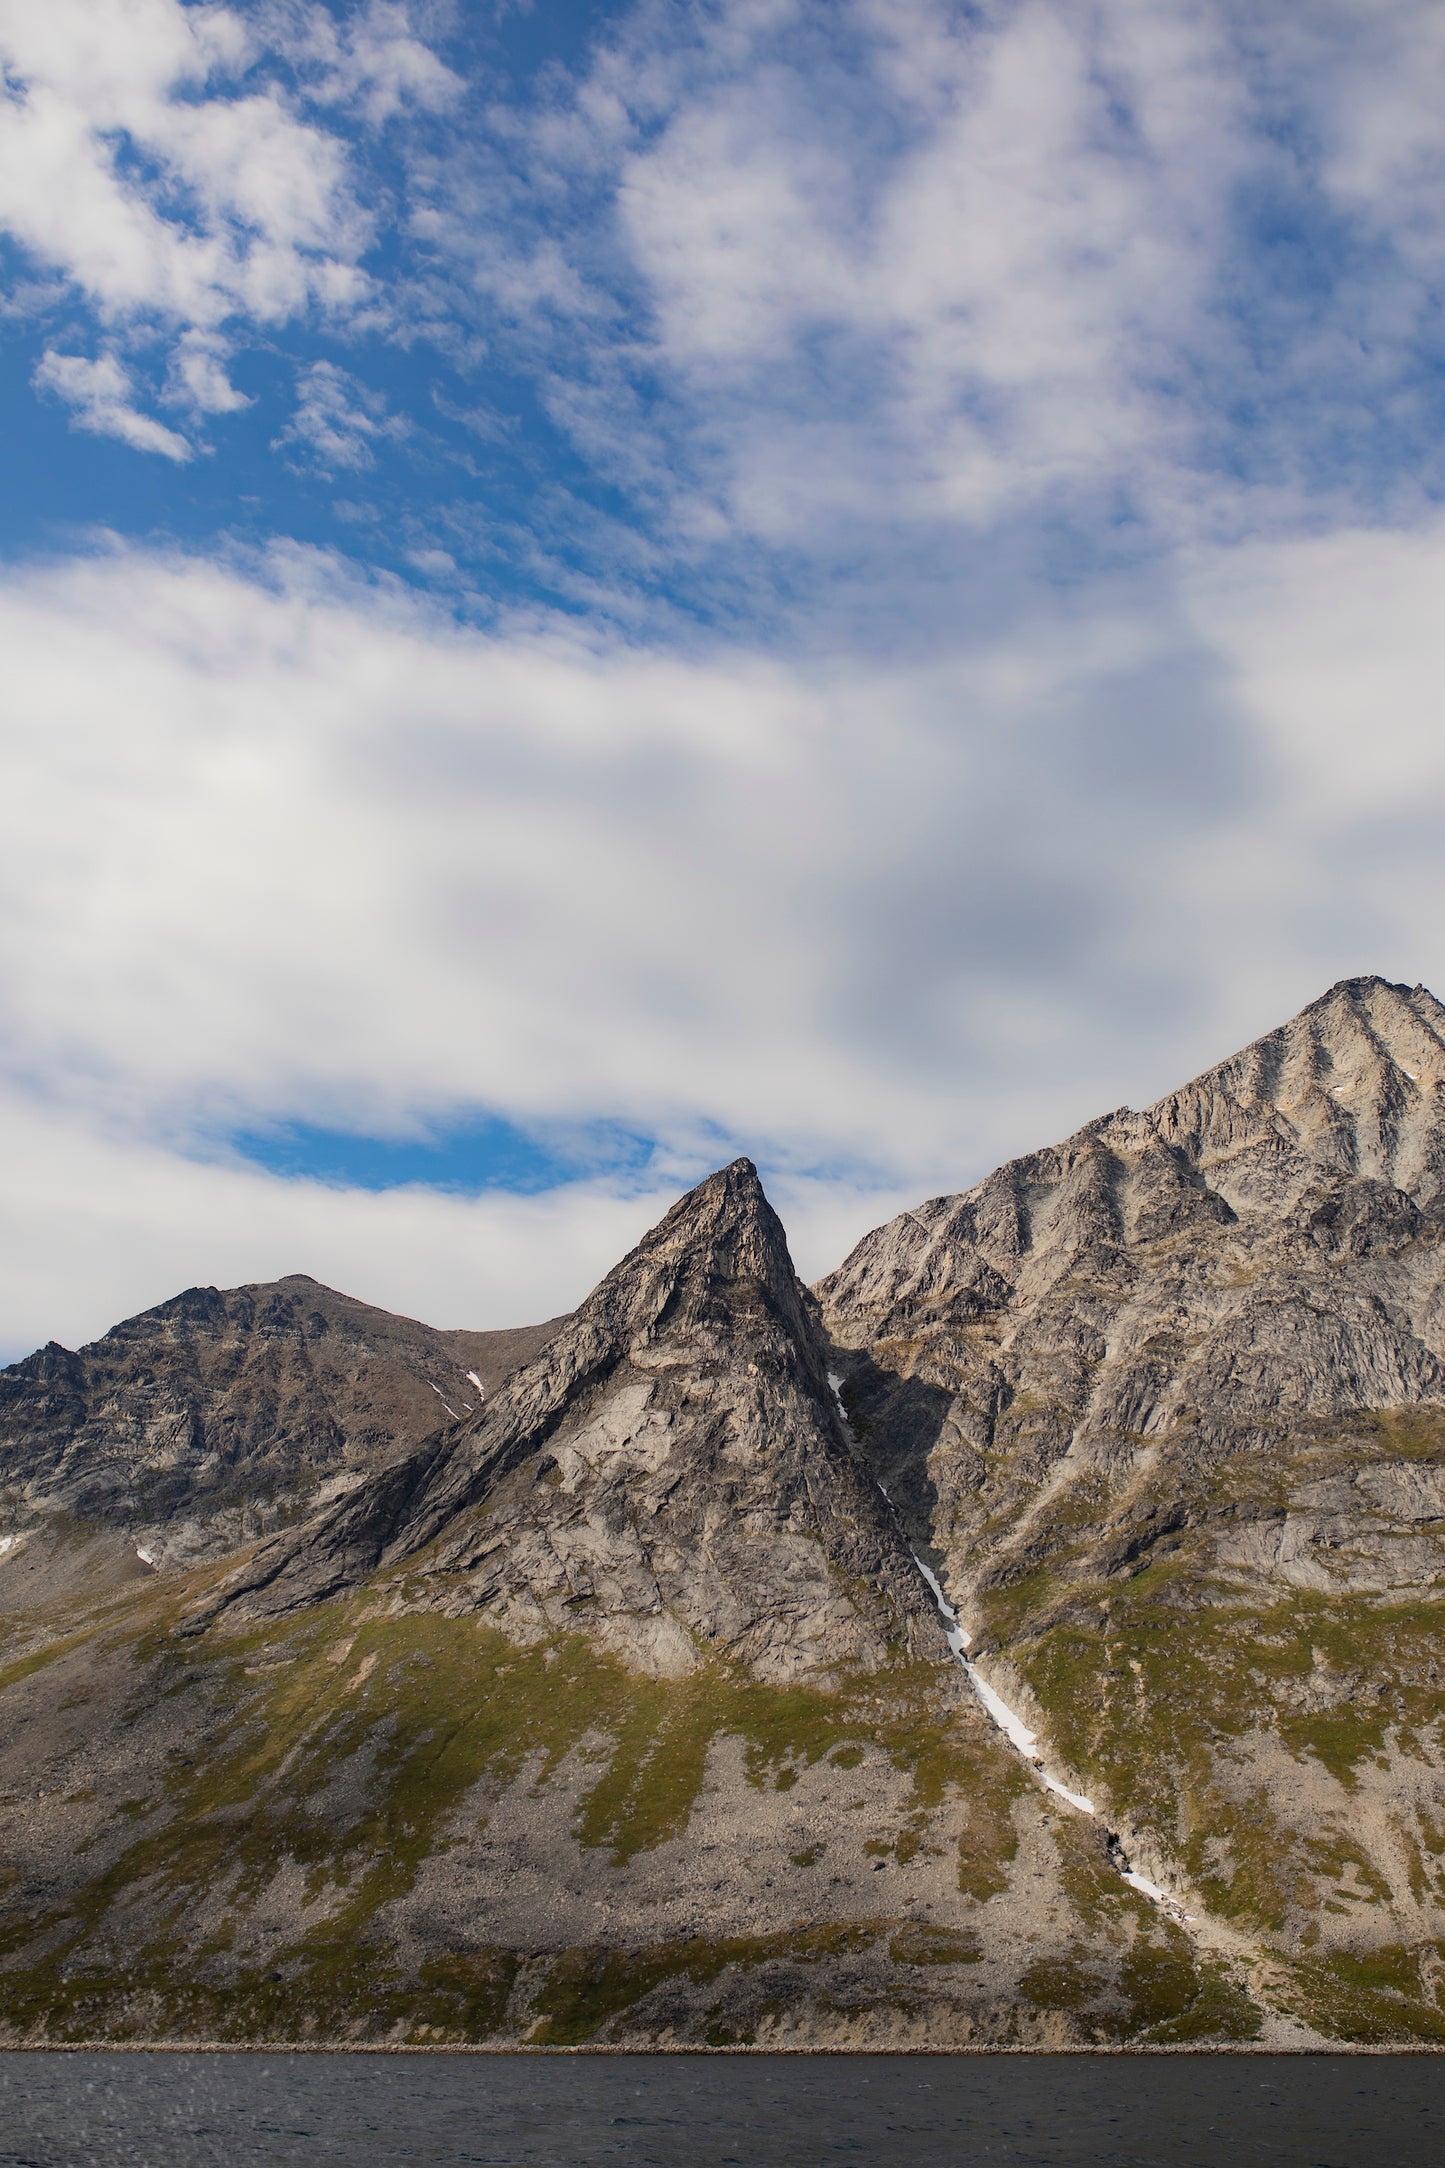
(197,1424)
(615,1705)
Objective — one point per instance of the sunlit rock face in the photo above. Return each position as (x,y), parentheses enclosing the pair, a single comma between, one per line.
(670,1477)
(1112,1316)
(1167,1401)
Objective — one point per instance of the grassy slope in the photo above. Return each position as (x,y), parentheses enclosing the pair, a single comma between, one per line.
(247,1868)
(1284,1747)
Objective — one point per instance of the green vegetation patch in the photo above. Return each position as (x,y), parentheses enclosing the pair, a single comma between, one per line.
(921,1943)
(326,1760)
(1146,1697)
(585,1989)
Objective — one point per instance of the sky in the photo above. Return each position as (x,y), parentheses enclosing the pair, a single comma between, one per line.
(589,588)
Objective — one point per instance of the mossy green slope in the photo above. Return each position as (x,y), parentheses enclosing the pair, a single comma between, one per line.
(1280,1752)
(366,1825)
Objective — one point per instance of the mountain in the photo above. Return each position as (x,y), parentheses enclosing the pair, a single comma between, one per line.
(670,1475)
(1166,1406)
(615,1705)
(618,1710)
(194,1426)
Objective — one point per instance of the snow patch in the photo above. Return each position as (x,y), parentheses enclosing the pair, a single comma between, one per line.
(835,1382)
(1008,1720)
(441,1396)
(147,1558)
(481,1389)
(1019,1736)
(7,1543)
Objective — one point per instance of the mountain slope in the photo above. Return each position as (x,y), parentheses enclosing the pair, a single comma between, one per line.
(1168,1403)
(670,1475)
(616,1712)
(195,1425)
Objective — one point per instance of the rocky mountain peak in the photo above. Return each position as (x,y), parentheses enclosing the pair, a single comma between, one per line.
(202,1421)
(719,1250)
(1260,1251)
(1349,1088)
(1346,1099)
(671,1474)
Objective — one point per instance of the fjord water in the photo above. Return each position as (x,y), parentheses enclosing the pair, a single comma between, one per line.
(161,2110)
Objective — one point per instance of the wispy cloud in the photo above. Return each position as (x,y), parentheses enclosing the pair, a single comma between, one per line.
(338,421)
(101,394)
(134,162)
(198,374)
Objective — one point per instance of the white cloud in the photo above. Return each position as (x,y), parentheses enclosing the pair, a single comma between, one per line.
(372,62)
(92,1230)
(288,848)
(101,392)
(338,420)
(198,375)
(813,274)
(942,262)
(129,162)
(295,849)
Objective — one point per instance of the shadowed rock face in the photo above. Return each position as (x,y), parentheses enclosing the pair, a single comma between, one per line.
(670,1476)
(197,1424)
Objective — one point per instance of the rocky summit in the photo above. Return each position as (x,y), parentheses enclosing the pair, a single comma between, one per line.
(365,1682)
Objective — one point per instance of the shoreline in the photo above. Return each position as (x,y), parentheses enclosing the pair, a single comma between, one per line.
(422,2047)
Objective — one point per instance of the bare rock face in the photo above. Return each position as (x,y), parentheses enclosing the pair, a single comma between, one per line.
(1167,1400)
(1260,1251)
(670,1476)
(197,1424)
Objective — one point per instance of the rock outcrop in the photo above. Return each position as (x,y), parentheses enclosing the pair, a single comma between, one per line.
(1167,1402)
(196,1425)
(670,1476)
(1261,1253)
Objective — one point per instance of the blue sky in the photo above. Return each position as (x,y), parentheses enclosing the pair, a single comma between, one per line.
(588,588)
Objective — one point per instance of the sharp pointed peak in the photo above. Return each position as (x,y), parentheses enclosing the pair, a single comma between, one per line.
(722,1231)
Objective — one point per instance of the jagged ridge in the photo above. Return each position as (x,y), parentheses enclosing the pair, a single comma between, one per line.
(669,1474)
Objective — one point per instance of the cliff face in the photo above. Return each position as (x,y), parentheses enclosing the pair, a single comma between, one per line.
(1168,1403)
(197,1424)
(670,1476)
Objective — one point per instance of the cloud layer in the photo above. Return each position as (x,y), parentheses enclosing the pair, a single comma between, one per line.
(853,581)
(287,849)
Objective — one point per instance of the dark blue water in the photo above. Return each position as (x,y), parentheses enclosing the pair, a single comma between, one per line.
(696,2111)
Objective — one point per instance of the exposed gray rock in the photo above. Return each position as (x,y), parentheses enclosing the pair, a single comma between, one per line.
(1094,1325)
(1167,1401)
(670,1476)
(197,1424)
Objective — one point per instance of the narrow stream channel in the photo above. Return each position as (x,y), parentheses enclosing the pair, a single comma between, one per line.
(1011,1724)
